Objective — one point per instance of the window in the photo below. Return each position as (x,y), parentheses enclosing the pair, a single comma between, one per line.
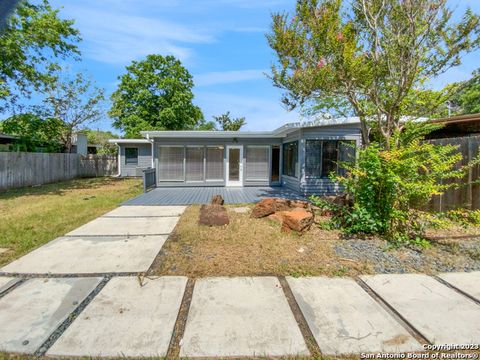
(329,157)
(290,158)
(131,156)
(313,157)
(170,163)
(322,157)
(194,163)
(257,163)
(214,163)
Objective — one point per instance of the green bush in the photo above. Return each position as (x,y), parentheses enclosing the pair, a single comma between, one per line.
(388,185)
(464,217)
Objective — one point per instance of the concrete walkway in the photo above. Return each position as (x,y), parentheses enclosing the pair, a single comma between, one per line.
(125,240)
(93,304)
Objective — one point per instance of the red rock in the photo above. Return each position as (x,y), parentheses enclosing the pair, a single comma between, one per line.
(269,206)
(276,217)
(217,200)
(298,220)
(213,215)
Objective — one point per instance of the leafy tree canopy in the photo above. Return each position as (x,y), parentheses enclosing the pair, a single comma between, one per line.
(227,123)
(98,137)
(76,101)
(34,132)
(31,41)
(154,94)
(368,58)
(467,100)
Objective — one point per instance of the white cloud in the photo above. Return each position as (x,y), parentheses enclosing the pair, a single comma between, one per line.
(114,37)
(261,114)
(227,77)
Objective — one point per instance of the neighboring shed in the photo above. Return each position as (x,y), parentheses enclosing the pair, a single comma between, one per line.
(134,155)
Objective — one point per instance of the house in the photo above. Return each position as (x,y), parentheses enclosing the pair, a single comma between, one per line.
(7,141)
(457,127)
(81,146)
(299,156)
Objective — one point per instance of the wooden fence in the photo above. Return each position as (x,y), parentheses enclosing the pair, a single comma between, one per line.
(468,194)
(18,169)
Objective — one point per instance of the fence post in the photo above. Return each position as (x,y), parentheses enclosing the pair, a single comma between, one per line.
(149,179)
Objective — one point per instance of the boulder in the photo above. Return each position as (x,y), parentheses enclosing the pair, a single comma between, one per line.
(276,217)
(298,220)
(300,204)
(269,206)
(213,215)
(217,200)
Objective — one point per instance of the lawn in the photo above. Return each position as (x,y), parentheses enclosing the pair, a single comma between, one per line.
(35,215)
(253,247)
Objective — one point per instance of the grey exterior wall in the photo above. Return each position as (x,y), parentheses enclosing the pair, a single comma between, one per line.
(301,183)
(144,159)
(318,186)
(217,142)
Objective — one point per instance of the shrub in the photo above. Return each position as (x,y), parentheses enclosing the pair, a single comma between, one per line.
(388,185)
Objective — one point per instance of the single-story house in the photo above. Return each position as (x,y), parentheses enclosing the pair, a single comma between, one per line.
(299,156)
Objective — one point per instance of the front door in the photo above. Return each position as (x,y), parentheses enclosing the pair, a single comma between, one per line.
(234,165)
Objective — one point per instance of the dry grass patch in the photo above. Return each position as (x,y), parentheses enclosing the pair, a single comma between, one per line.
(248,247)
(30,217)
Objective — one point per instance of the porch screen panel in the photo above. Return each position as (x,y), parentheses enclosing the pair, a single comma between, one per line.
(194,163)
(257,163)
(170,163)
(346,154)
(313,158)
(214,163)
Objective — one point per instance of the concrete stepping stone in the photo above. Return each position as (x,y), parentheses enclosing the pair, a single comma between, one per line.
(439,313)
(125,319)
(344,319)
(146,211)
(469,283)
(33,311)
(247,316)
(115,226)
(90,255)
(6,283)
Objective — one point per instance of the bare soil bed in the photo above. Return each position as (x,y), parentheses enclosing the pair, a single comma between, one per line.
(248,247)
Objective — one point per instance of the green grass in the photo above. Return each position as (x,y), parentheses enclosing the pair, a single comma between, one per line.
(30,217)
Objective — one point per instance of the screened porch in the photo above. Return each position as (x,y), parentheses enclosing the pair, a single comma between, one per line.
(231,164)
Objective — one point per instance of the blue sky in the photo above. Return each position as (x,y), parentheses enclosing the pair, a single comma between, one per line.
(221,42)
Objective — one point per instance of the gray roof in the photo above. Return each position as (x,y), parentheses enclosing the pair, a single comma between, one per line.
(280,132)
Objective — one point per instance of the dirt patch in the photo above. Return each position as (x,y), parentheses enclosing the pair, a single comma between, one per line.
(248,247)
(255,247)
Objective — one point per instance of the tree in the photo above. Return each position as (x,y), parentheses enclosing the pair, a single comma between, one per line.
(76,102)
(368,59)
(227,123)
(154,94)
(34,132)
(33,38)
(467,100)
(98,137)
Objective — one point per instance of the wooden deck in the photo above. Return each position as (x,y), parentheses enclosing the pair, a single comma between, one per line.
(203,195)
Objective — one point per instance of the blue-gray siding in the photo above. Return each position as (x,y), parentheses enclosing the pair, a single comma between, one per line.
(144,159)
(216,142)
(301,183)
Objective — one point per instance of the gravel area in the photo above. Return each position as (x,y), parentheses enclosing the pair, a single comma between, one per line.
(446,256)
